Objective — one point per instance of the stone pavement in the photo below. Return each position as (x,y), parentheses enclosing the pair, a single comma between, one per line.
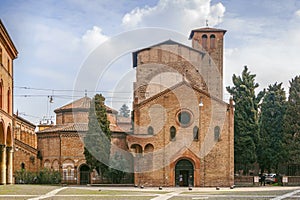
(183,192)
(49,194)
(176,191)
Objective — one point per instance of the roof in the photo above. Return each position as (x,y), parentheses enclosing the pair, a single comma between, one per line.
(206,29)
(73,127)
(17,117)
(121,119)
(174,87)
(110,110)
(76,127)
(167,42)
(83,103)
(7,41)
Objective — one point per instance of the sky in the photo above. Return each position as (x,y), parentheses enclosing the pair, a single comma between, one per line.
(56,41)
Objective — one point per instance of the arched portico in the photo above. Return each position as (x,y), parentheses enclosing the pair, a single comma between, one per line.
(9,156)
(3,154)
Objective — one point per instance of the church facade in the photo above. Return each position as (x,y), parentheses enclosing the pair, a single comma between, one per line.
(8,53)
(183,131)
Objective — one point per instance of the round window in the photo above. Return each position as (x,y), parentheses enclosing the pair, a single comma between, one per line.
(184,118)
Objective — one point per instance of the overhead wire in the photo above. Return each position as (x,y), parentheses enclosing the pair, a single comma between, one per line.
(66,96)
(69,94)
(67,90)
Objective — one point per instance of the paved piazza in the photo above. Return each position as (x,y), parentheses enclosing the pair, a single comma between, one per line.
(37,192)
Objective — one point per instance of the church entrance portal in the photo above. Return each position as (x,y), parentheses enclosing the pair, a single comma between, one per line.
(184,173)
(84,174)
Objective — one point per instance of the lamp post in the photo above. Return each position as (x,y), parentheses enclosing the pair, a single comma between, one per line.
(200,106)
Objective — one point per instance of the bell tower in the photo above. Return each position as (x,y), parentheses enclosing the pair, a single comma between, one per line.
(210,40)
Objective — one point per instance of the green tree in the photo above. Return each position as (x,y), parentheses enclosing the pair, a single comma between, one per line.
(118,168)
(124,111)
(97,139)
(292,123)
(246,133)
(270,146)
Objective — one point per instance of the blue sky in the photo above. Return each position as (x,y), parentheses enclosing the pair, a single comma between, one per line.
(54,38)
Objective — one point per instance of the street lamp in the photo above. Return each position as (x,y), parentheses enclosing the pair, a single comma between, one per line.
(201,102)
(200,106)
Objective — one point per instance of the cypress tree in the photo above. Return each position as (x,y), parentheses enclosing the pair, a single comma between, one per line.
(270,148)
(292,123)
(97,140)
(246,134)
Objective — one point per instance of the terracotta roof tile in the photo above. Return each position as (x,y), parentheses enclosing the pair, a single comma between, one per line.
(80,127)
(206,29)
(82,103)
(77,127)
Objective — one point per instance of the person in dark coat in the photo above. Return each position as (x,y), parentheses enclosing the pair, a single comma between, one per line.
(263,179)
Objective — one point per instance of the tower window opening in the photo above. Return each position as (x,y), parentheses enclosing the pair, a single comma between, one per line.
(204,41)
(212,41)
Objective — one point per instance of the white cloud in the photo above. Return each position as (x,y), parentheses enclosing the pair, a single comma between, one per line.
(180,15)
(271,59)
(267,44)
(297,13)
(52,60)
(136,15)
(93,38)
(62,44)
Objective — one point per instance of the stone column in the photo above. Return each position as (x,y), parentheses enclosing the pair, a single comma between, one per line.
(3,164)
(9,151)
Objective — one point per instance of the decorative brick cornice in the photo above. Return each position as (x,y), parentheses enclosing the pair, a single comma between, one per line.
(7,42)
(25,146)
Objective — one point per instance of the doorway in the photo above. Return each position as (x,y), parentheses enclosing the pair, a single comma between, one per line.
(84,174)
(184,173)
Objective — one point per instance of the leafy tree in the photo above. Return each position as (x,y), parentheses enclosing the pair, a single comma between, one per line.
(270,146)
(118,167)
(124,111)
(97,139)
(246,134)
(292,123)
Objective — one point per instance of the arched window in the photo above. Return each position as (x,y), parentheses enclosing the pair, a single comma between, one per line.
(172,133)
(212,41)
(196,133)
(204,41)
(136,148)
(8,101)
(149,149)
(1,94)
(22,166)
(150,130)
(217,133)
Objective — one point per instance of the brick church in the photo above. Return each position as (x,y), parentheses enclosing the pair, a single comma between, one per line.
(183,131)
